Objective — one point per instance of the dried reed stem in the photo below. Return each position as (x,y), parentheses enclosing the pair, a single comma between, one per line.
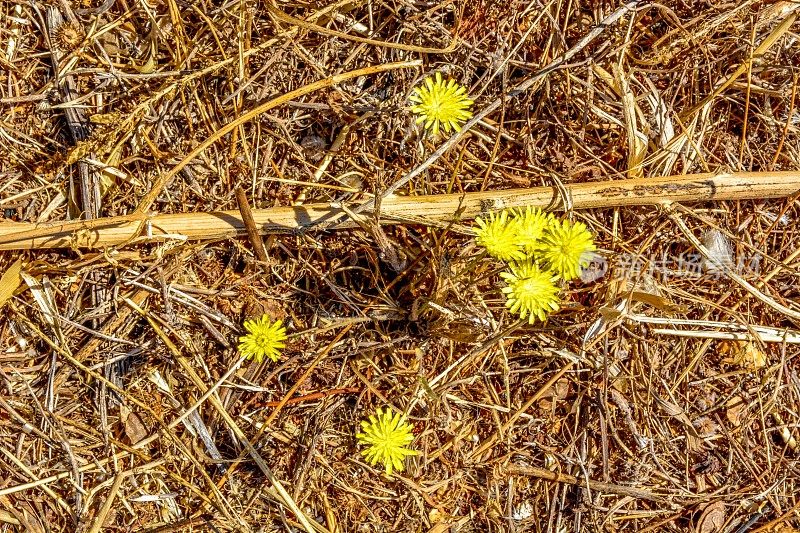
(426,210)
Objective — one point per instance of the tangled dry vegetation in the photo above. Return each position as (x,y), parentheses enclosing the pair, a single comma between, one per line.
(663,396)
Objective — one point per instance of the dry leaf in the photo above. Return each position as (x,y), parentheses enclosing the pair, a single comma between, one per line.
(134,427)
(735,409)
(23,514)
(720,252)
(449,527)
(10,281)
(659,302)
(712,519)
(784,528)
(637,141)
(745,354)
(785,433)
(674,410)
(556,394)
(42,292)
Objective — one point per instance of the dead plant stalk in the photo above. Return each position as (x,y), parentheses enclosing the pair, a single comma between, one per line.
(424,210)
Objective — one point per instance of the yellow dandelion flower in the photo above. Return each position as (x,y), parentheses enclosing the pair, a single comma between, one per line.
(386,435)
(531,226)
(440,103)
(263,339)
(531,292)
(566,247)
(498,235)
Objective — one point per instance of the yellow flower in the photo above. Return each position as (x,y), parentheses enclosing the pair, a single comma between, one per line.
(531,292)
(532,223)
(441,103)
(387,436)
(566,247)
(499,236)
(263,339)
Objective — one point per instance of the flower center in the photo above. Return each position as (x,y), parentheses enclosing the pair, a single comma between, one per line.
(436,104)
(531,285)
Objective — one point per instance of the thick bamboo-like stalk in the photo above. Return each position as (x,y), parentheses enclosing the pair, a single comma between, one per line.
(433,209)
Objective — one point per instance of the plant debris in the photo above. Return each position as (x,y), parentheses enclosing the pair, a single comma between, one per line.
(171,170)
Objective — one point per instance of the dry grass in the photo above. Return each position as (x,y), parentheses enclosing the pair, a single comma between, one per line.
(664,396)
